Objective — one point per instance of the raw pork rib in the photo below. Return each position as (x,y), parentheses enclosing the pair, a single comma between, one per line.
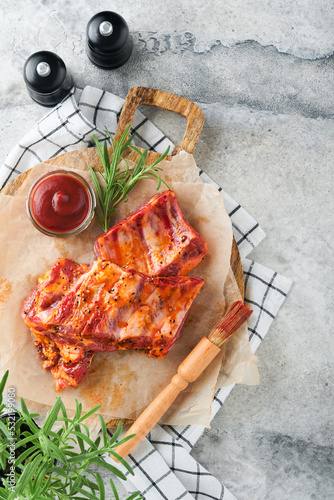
(134,296)
(53,285)
(68,363)
(156,240)
(110,308)
(75,311)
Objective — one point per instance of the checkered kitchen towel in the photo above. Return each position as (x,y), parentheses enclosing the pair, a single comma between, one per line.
(163,466)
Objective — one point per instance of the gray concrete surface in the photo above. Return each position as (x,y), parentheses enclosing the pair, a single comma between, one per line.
(263,73)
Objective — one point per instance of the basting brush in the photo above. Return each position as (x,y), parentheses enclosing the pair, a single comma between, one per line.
(188,371)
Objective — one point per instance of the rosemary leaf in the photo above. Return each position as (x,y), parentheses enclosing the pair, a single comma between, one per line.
(111,468)
(89,413)
(46,466)
(100,484)
(2,385)
(113,487)
(49,422)
(135,496)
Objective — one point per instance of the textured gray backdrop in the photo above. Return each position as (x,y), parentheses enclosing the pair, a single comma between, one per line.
(263,73)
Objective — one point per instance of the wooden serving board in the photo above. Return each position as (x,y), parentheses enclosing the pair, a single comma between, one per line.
(136,97)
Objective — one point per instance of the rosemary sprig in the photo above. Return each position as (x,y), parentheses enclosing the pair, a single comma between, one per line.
(59,460)
(118,183)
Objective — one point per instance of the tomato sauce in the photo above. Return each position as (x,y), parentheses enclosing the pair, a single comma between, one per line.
(60,203)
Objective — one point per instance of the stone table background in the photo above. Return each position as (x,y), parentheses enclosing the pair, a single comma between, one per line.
(263,73)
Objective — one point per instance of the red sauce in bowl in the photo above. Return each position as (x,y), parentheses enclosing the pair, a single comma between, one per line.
(61,203)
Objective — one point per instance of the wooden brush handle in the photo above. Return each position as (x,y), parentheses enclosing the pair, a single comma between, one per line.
(188,371)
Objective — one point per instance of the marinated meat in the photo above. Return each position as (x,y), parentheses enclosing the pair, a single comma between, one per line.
(156,240)
(110,308)
(134,296)
(71,373)
(48,351)
(53,285)
(67,363)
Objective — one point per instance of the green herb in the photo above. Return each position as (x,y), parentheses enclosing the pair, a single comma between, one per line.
(55,464)
(118,183)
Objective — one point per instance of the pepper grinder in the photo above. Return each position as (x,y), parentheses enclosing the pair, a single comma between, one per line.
(46,78)
(108,40)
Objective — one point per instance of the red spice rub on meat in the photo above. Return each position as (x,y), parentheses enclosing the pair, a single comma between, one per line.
(134,296)
(156,240)
(106,309)
(111,308)
(67,363)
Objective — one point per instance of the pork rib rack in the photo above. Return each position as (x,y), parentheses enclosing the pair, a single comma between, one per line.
(109,308)
(134,296)
(156,240)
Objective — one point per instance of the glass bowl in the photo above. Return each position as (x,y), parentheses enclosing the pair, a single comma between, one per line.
(51,204)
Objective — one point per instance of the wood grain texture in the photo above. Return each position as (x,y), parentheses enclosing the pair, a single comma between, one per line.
(237,267)
(139,96)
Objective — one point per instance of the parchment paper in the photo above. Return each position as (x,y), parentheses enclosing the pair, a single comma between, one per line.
(123,382)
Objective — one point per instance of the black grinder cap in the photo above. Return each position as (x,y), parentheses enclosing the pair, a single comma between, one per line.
(108,40)
(46,78)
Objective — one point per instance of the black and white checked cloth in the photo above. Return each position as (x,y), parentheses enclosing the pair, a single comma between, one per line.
(164,468)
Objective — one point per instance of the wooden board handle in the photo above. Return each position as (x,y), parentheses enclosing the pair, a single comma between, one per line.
(188,371)
(139,96)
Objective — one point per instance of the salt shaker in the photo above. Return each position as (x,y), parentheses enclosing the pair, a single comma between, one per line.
(108,40)
(46,78)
